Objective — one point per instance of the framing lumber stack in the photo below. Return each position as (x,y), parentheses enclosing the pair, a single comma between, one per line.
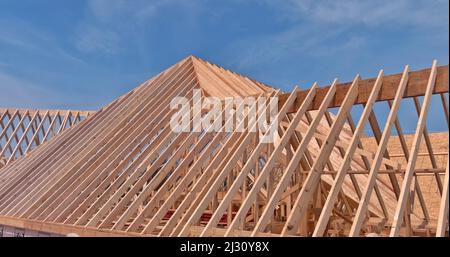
(123,172)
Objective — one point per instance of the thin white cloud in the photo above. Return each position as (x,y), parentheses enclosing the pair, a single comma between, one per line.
(93,39)
(109,10)
(300,40)
(368,12)
(109,24)
(17,92)
(104,9)
(325,28)
(26,36)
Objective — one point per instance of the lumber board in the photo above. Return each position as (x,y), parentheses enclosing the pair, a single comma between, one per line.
(416,87)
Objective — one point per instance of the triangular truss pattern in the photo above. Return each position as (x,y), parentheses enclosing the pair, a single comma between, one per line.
(123,171)
(22,130)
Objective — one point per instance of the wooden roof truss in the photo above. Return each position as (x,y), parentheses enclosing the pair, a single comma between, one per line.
(22,130)
(122,171)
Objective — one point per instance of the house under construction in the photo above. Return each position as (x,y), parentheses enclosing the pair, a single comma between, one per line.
(336,166)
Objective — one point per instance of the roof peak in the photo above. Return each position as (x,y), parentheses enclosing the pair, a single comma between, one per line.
(221,82)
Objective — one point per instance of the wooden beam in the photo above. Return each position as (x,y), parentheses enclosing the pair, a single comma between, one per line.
(445,107)
(61,229)
(443,210)
(426,137)
(286,177)
(212,189)
(310,184)
(240,180)
(51,112)
(339,180)
(124,172)
(372,178)
(220,232)
(24,136)
(406,155)
(405,191)
(416,87)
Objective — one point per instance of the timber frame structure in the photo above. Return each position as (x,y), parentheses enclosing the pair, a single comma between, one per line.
(22,130)
(121,171)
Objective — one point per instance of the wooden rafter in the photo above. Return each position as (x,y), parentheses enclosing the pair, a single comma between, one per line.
(124,172)
(20,130)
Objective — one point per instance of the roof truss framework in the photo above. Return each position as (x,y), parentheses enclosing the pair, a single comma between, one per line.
(22,130)
(124,172)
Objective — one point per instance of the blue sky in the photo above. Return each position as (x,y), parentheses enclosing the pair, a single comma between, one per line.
(84,54)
